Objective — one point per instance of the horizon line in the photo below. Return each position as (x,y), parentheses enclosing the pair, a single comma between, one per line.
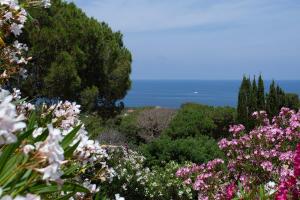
(209,79)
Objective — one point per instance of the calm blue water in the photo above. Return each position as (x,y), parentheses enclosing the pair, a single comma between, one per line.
(173,93)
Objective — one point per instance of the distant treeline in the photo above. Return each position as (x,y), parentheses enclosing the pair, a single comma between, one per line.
(252,97)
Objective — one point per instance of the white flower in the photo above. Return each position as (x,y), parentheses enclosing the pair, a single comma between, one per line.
(16,29)
(4,74)
(16,94)
(68,112)
(20,46)
(3,94)
(22,16)
(92,187)
(28,148)
(8,15)
(46,3)
(23,73)
(37,132)
(51,172)
(9,121)
(51,150)
(118,197)
(27,197)
(270,187)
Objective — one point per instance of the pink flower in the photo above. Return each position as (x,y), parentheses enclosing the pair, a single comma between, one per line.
(267,166)
(230,191)
(235,129)
(297,162)
(283,190)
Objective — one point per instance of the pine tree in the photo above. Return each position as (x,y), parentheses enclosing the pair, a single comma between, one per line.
(261,104)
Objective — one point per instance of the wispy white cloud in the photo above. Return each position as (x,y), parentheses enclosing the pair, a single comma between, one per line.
(155,15)
(200,38)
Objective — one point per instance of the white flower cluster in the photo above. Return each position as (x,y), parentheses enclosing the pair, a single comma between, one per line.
(51,150)
(12,20)
(47,157)
(49,153)
(66,114)
(66,117)
(134,171)
(10,121)
(27,197)
(88,152)
(14,17)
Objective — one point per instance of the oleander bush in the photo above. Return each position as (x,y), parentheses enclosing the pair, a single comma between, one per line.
(45,151)
(262,164)
(135,181)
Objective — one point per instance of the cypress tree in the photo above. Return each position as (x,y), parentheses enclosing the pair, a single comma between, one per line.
(280,98)
(261,104)
(243,102)
(242,113)
(253,97)
(272,100)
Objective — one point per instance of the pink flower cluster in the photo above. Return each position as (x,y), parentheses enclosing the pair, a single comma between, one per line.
(235,129)
(290,185)
(267,153)
(203,178)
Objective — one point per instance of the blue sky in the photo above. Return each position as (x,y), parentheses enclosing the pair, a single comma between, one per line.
(206,39)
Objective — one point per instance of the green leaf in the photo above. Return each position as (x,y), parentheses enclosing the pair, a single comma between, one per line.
(9,149)
(70,150)
(69,138)
(11,168)
(262,194)
(67,187)
(31,121)
(43,136)
(100,196)
(66,197)
(70,170)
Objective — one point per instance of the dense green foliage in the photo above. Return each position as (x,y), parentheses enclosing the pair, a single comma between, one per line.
(199,149)
(93,124)
(76,58)
(193,120)
(253,98)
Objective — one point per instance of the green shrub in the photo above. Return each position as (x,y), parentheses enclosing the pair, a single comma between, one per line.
(194,119)
(164,149)
(129,127)
(93,124)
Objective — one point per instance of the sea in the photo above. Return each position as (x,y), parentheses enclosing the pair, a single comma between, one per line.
(174,93)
